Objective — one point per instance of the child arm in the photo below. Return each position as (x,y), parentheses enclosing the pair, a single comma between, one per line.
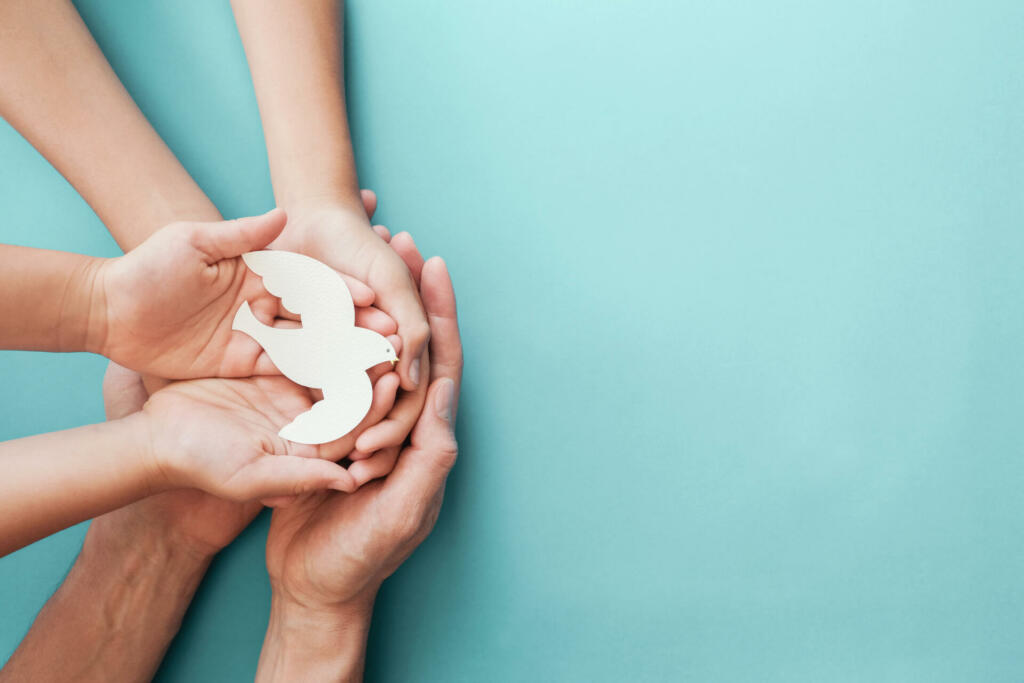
(49,300)
(52,481)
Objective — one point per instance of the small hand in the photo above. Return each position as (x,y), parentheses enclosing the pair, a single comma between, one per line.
(221,436)
(170,302)
(341,237)
(200,523)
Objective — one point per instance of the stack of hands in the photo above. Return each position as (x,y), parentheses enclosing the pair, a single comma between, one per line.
(191,453)
(202,451)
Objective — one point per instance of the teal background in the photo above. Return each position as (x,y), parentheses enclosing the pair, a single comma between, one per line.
(740,290)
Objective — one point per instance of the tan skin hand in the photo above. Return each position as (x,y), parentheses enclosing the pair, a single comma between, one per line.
(221,436)
(170,302)
(332,551)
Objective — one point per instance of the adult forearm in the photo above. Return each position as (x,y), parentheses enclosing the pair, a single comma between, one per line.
(52,481)
(295,56)
(117,610)
(58,90)
(312,644)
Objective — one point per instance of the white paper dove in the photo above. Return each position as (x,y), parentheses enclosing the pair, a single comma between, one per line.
(328,352)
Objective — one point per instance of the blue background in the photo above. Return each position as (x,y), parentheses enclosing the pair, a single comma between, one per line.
(740,288)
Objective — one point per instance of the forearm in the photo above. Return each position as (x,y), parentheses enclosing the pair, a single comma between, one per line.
(57,89)
(304,644)
(50,300)
(117,610)
(52,481)
(294,53)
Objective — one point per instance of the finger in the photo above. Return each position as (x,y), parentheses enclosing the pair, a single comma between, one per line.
(399,422)
(423,467)
(361,293)
(227,239)
(404,246)
(445,343)
(279,501)
(377,320)
(380,464)
(384,392)
(382,232)
(404,306)
(123,392)
(369,198)
(274,476)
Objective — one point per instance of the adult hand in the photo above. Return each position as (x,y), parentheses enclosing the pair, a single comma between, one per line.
(327,554)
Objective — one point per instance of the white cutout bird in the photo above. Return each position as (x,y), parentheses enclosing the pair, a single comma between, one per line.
(329,352)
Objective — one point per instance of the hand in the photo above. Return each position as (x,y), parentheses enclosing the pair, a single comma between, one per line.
(190,519)
(328,553)
(168,305)
(342,238)
(221,436)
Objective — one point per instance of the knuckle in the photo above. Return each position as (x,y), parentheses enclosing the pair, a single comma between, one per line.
(447,454)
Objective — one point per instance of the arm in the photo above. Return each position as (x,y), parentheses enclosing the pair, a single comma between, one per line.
(294,53)
(52,481)
(49,300)
(123,601)
(57,89)
(118,608)
(230,448)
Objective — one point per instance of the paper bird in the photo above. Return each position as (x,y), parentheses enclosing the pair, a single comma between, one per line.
(329,352)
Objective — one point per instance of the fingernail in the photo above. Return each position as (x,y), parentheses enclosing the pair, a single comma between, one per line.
(445,399)
(414,371)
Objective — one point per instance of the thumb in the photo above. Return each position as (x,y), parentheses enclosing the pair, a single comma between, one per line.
(227,239)
(273,476)
(423,467)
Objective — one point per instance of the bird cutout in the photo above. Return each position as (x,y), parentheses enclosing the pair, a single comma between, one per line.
(328,352)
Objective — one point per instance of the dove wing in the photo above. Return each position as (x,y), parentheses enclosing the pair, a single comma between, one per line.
(307,287)
(344,406)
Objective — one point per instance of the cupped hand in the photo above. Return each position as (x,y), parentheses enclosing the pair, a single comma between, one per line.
(341,237)
(221,436)
(169,303)
(188,519)
(332,551)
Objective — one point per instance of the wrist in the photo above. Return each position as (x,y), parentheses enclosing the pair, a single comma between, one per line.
(83,316)
(315,643)
(152,458)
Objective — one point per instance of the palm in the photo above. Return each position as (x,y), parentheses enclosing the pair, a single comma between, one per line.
(328,548)
(183,329)
(242,416)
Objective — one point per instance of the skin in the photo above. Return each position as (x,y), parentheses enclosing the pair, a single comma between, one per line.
(220,437)
(327,555)
(59,92)
(301,98)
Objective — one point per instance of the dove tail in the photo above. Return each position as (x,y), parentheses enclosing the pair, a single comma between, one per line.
(246,322)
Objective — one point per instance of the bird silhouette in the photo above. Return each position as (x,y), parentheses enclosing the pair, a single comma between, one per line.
(328,352)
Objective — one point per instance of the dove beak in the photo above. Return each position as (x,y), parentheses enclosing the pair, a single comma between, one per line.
(394,363)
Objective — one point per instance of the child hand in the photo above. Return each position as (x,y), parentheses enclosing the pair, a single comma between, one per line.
(168,305)
(221,436)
